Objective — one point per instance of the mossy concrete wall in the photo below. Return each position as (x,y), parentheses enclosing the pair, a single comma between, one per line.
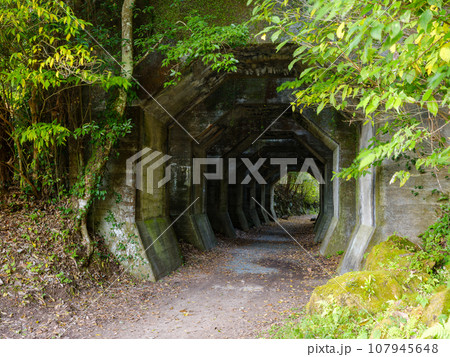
(134,223)
(383,208)
(406,211)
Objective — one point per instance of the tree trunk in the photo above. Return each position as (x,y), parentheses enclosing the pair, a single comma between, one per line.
(101,153)
(33,104)
(6,153)
(5,156)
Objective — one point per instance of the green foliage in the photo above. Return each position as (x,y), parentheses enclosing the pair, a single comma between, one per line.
(46,56)
(44,135)
(45,46)
(436,239)
(334,322)
(368,286)
(210,43)
(369,58)
(297,194)
(438,331)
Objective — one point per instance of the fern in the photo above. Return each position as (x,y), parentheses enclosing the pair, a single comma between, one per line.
(439,331)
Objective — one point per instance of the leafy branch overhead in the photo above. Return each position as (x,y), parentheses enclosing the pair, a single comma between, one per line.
(372,60)
(209,43)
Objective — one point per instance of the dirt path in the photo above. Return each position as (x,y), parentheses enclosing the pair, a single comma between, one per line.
(238,290)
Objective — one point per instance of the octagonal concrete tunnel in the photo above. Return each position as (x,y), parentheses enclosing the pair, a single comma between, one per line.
(236,118)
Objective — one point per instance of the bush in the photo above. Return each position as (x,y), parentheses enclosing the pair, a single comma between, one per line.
(436,239)
(334,322)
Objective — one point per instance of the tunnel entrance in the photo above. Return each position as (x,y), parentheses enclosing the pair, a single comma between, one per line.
(242,120)
(297,194)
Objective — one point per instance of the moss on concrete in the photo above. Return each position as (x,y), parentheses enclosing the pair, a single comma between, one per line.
(395,254)
(439,305)
(370,290)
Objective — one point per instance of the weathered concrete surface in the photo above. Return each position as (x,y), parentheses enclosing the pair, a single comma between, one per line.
(405,211)
(115,217)
(192,225)
(365,227)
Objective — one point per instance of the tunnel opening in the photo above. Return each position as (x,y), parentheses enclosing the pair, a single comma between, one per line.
(297,194)
(242,121)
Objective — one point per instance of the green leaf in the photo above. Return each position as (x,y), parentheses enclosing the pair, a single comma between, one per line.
(320,107)
(433,106)
(291,65)
(282,44)
(434,81)
(276,35)
(425,18)
(395,28)
(410,76)
(376,32)
(299,51)
(340,30)
(427,95)
(367,160)
(405,17)
(390,103)
(444,53)
(276,19)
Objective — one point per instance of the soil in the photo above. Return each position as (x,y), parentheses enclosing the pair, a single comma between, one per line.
(240,289)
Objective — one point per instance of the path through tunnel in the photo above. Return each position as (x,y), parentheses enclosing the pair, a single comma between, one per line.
(240,289)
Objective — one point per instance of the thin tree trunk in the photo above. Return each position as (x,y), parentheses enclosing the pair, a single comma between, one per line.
(34,120)
(5,156)
(101,153)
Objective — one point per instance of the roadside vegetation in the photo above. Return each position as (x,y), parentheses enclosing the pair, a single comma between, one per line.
(296,194)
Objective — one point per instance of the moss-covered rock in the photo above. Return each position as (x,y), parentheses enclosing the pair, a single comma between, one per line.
(396,254)
(369,290)
(439,305)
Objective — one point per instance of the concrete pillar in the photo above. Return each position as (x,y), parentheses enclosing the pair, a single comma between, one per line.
(246,198)
(261,198)
(152,216)
(217,206)
(252,205)
(270,201)
(342,141)
(193,226)
(235,209)
(326,204)
(363,232)
(134,222)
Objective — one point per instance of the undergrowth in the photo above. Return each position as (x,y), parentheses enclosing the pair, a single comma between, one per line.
(340,322)
(296,195)
(41,255)
(334,322)
(436,239)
